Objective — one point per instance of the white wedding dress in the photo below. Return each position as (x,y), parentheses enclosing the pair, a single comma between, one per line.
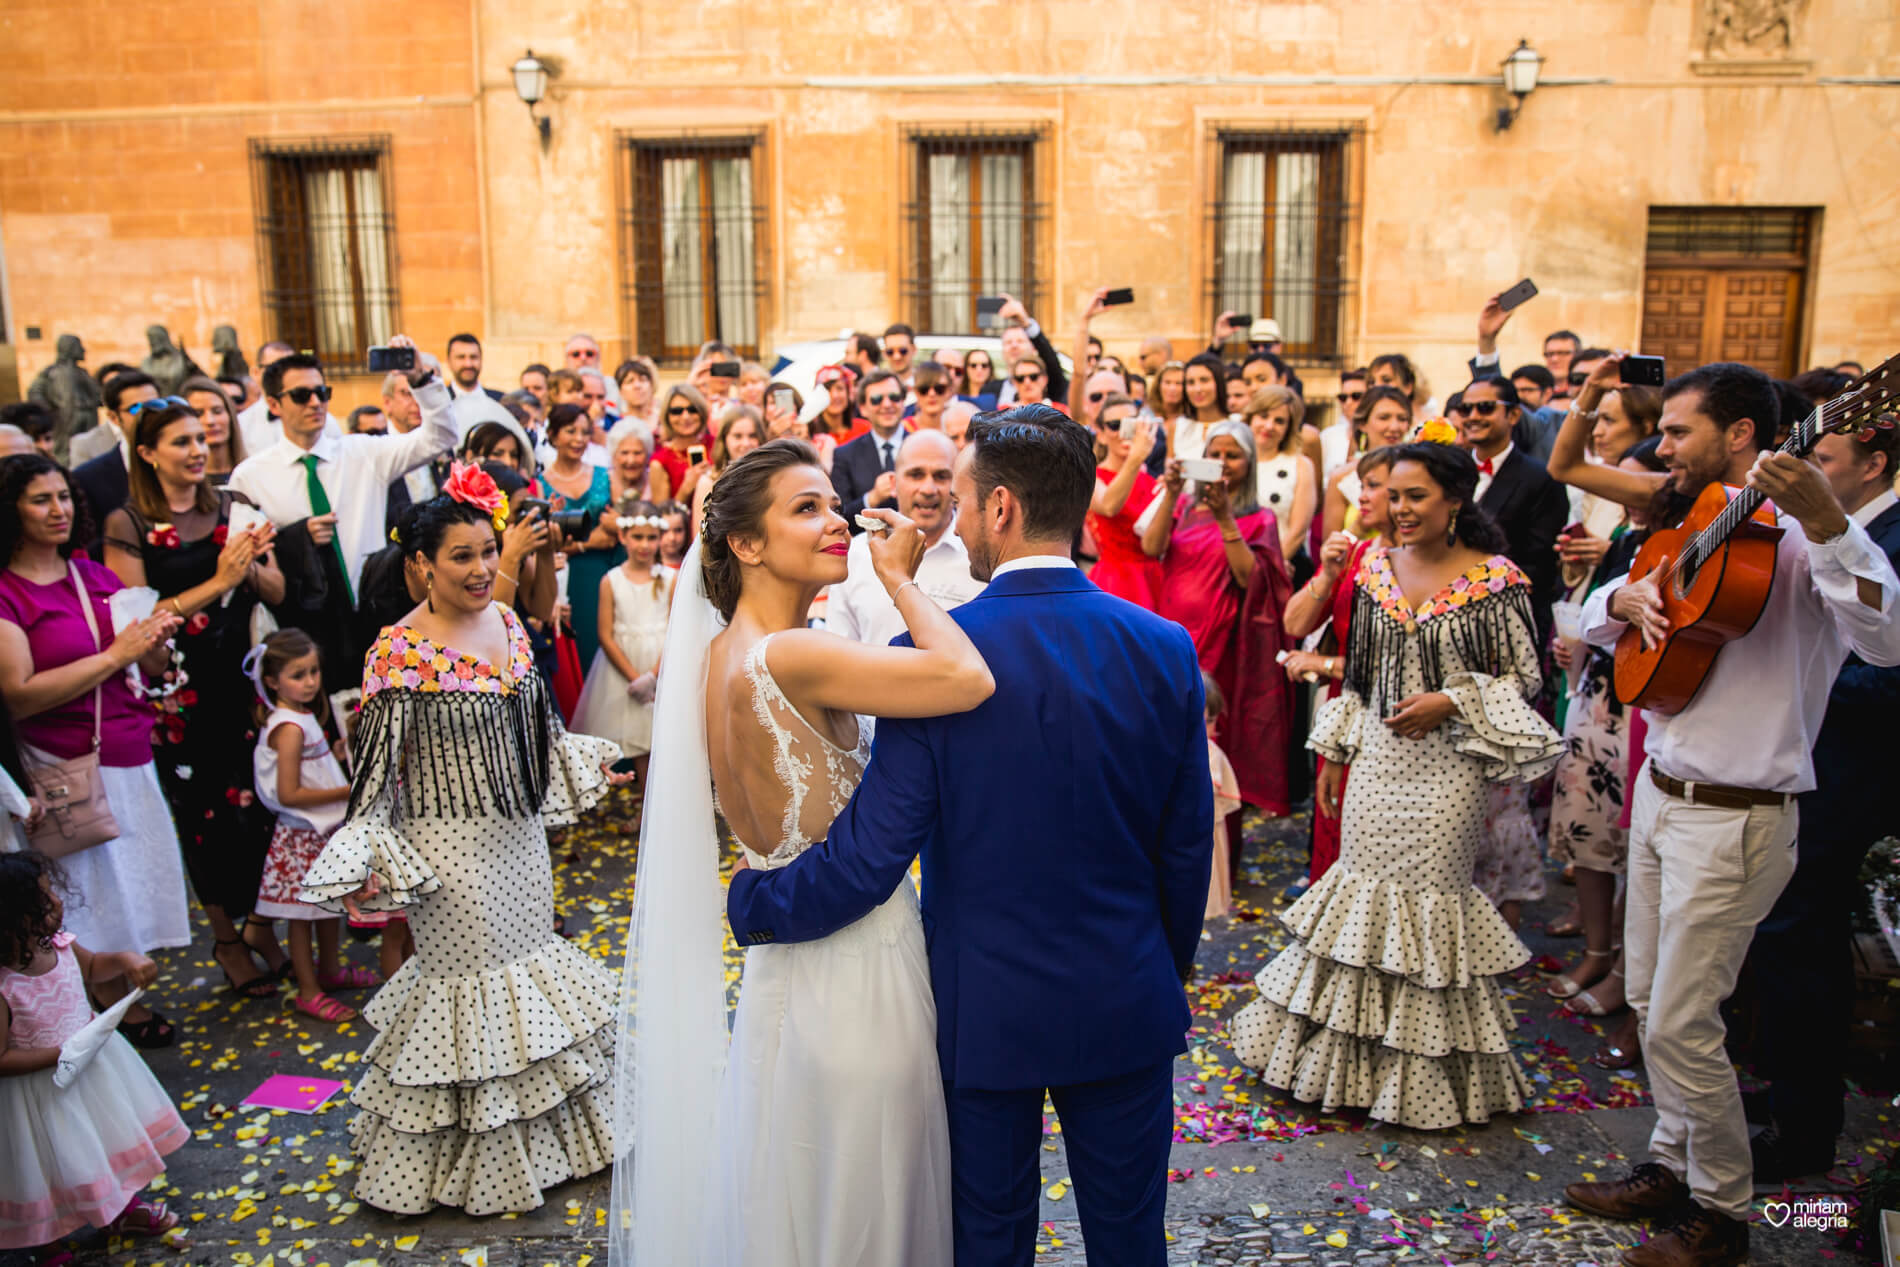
(828,1146)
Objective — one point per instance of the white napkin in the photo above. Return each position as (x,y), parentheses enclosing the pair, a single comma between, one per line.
(131,605)
(77,1052)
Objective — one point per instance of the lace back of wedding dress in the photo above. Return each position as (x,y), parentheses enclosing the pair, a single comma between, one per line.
(801,755)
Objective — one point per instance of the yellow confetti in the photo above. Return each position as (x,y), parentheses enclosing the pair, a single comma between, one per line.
(1058,1190)
(1337,1239)
(407,1243)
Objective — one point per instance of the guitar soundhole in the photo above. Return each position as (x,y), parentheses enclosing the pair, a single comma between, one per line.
(1684,579)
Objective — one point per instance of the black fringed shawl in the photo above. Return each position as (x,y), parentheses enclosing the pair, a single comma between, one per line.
(1478,634)
(454,754)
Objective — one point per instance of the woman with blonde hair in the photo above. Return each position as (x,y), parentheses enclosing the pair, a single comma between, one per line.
(1283,478)
(741,430)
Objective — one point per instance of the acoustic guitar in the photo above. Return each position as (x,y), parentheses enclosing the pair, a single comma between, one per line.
(1715,568)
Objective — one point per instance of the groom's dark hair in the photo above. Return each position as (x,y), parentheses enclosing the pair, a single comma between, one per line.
(1042,456)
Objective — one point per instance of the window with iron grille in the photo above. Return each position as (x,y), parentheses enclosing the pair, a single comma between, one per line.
(692,233)
(1281,221)
(974,224)
(326,245)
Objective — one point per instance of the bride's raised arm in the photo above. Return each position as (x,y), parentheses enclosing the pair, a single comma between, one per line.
(943,673)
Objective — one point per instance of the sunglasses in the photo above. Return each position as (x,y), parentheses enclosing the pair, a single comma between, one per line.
(935,389)
(304,395)
(164,402)
(1029,378)
(1482,408)
(882,400)
(680,411)
(1346,398)
(980,364)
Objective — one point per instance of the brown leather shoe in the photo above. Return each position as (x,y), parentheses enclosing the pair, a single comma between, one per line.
(1698,1237)
(1649,1192)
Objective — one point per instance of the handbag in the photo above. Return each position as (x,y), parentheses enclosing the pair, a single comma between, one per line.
(77,815)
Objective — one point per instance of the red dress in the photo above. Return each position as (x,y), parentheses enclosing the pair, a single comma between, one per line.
(1237,636)
(1123,569)
(1325,827)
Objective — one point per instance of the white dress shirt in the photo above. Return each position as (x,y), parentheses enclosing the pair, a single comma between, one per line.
(355,471)
(1484,476)
(859,608)
(1033,561)
(1754,722)
(1874,509)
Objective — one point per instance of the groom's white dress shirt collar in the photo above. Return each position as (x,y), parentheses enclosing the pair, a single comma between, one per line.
(1033,561)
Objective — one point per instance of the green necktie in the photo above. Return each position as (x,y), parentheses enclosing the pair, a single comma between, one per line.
(320,505)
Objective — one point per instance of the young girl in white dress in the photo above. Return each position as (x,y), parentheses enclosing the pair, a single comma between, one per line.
(617,702)
(299,776)
(76,1155)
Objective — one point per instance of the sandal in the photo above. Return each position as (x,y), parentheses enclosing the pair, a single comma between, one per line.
(283,968)
(1567,988)
(324,1008)
(145,1218)
(261,986)
(1585,1003)
(149,1034)
(349,977)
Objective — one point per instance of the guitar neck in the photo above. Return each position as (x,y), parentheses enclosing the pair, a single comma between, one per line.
(1742,507)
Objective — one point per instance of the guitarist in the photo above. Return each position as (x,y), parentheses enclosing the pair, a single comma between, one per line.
(1802,958)
(1713,822)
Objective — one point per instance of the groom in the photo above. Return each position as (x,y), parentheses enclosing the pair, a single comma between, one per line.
(1063,881)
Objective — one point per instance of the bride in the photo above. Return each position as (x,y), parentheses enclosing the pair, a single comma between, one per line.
(824,1143)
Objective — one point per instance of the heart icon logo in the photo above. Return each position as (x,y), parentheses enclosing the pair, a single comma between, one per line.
(1777,1212)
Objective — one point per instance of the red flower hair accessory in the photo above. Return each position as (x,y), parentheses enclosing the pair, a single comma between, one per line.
(472,486)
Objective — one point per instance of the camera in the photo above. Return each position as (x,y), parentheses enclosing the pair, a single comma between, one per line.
(573,524)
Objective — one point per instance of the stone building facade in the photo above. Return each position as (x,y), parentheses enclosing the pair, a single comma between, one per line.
(1703,177)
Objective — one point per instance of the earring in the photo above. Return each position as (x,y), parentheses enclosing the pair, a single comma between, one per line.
(431,594)
(1451,532)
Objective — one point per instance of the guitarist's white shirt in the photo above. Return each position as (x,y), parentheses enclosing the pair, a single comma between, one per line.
(1754,722)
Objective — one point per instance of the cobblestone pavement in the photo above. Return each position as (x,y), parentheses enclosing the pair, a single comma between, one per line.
(1256,1179)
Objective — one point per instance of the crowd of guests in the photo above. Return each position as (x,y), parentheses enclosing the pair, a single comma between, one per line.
(1424,593)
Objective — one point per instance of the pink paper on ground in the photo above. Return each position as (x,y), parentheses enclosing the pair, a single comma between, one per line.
(299,1095)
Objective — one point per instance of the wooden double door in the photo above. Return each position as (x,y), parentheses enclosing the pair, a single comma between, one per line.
(1695,314)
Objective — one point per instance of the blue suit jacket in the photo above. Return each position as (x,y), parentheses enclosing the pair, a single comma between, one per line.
(1852,754)
(1063,883)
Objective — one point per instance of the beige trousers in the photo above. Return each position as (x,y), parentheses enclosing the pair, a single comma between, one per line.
(1700,879)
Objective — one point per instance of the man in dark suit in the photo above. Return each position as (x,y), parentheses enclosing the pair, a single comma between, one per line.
(1024,336)
(1802,953)
(1094,740)
(863,471)
(1516,491)
(465,366)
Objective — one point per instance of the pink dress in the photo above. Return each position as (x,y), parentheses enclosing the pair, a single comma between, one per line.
(75,1155)
(1124,569)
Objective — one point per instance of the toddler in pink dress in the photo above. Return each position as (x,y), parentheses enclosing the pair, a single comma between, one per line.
(76,1155)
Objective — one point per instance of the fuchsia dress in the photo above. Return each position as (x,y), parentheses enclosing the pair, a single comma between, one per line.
(74,1156)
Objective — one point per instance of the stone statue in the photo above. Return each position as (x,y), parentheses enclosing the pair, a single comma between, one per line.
(1749,28)
(167,364)
(69,392)
(224,350)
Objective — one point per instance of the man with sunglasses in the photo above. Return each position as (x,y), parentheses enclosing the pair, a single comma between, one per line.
(864,471)
(1022,337)
(336,486)
(257,422)
(1515,490)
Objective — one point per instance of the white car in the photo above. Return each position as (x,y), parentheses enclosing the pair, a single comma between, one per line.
(799,363)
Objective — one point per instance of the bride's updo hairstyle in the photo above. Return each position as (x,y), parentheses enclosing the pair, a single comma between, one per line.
(736,507)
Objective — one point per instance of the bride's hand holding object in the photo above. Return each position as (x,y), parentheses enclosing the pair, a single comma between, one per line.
(371,887)
(895,552)
(1420,715)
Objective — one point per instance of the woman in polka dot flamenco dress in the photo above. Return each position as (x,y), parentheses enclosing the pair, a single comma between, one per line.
(490,1076)
(1387,999)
